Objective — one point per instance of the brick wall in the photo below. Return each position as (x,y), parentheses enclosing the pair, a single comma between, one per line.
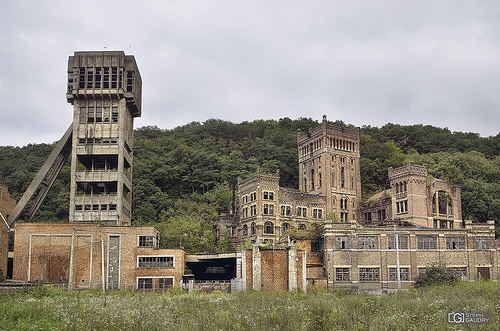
(43,252)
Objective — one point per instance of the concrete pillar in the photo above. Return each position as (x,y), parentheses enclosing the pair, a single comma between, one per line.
(256,269)
(304,271)
(292,268)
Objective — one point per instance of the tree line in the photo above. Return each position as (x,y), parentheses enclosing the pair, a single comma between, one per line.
(184,177)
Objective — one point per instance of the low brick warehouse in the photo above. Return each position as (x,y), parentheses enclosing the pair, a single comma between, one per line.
(124,256)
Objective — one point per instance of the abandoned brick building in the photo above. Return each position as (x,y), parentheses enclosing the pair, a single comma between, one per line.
(358,248)
(382,243)
(97,247)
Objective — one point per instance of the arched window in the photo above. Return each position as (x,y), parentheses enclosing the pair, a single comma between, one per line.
(254,229)
(284,228)
(245,230)
(268,228)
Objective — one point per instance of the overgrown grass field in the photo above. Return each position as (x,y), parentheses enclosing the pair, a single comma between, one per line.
(40,308)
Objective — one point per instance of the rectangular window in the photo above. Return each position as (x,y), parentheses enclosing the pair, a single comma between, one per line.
(301,212)
(402,242)
(253,196)
(481,243)
(98,114)
(268,209)
(253,210)
(98,77)
(130,80)
(155,262)
(114,114)
(244,200)
(381,214)
(341,242)
(317,213)
(343,216)
(83,115)
(342,274)
(426,242)
(403,274)
(154,282)
(368,242)
(286,210)
(91,115)
(460,272)
(146,241)
(369,275)
(455,243)
(368,216)
(268,195)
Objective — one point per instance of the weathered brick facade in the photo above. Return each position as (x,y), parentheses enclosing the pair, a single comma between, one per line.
(129,254)
(367,258)
(7,204)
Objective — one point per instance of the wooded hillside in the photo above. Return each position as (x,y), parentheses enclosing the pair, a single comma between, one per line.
(183,177)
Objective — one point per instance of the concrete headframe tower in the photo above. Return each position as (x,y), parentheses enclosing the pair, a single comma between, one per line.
(105,91)
(329,165)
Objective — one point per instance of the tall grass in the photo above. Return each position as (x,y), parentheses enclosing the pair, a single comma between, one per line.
(417,309)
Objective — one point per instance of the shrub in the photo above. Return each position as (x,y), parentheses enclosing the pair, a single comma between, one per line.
(2,277)
(436,275)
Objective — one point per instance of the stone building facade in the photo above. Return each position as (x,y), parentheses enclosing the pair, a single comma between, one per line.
(367,258)
(417,198)
(357,247)
(90,255)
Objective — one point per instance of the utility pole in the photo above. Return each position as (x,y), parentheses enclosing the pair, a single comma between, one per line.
(396,238)
(70,281)
(102,267)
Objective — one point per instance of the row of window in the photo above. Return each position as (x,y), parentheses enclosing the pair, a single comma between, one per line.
(152,283)
(373,274)
(101,78)
(423,242)
(155,261)
(96,207)
(266,195)
(268,209)
(269,228)
(380,213)
(99,114)
(330,142)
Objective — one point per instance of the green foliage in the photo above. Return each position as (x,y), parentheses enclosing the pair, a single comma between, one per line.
(416,309)
(2,277)
(436,275)
(189,172)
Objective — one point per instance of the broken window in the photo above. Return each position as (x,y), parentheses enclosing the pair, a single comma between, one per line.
(342,274)
(481,243)
(341,242)
(403,274)
(146,241)
(368,242)
(369,274)
(130,81)
(155,262)
(426,242)
(455,243)
(402,242)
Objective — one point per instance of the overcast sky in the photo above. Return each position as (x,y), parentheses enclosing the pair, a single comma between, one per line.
(362,62)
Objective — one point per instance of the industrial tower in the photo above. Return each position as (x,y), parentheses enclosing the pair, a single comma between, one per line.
(104,88)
